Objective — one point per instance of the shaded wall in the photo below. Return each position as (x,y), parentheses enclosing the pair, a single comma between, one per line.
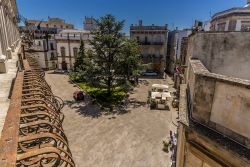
(226,53)
(221,102)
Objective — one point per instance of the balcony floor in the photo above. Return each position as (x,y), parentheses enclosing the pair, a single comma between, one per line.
(5,86)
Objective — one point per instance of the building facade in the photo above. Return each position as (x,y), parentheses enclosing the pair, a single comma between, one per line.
(235,19)
(175,46)
(68,44)
(9,34)
(44,34)
(153,44)
(57,23)
(214,102)
(45,53)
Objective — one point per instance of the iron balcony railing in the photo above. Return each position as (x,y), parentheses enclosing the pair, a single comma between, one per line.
(33,133)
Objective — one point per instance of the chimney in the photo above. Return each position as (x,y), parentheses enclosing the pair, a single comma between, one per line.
(140,23)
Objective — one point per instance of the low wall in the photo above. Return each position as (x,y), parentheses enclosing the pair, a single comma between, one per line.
(221,102)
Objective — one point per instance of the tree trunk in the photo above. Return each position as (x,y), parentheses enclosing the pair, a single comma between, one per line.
(109,85)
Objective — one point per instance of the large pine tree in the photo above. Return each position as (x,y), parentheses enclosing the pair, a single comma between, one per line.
(106,44)
(112,58)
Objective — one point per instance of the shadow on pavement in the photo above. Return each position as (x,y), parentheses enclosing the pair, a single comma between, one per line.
(143,82)
(54,72)
(88,109)
(134,103)
(85,109)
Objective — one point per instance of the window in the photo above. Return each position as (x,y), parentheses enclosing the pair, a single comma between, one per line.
(63,51)
(39,43)
(158,39)
(61,26)
(51,46)
(138,39)
(52,57)
(232,25)
(75,52)
(67,27)
(47,25)
(55,26)
(221,27)
(146,40)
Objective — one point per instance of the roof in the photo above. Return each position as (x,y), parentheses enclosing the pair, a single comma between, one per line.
(49,22)
(232,11)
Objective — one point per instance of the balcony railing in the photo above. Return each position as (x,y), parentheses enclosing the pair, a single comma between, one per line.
(33,133)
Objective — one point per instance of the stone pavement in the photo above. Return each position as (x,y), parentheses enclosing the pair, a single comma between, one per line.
(5,87)
(130,139)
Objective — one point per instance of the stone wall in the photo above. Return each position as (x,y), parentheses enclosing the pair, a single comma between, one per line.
(222,53)
(221,102)
(200,146)
(204,152)
(231,108)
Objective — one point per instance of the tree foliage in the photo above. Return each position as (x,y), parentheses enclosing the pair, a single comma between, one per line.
(113,57)
(79,62)
(130,59)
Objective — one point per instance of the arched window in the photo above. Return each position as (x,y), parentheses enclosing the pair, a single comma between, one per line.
(75,52)
(63,51)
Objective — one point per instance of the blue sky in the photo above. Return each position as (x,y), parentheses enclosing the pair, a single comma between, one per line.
(175,13)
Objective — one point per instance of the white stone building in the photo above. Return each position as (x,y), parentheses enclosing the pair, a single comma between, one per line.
(45,53)
(9,34)
(9,47)
(235,19)
(153,44)
(68,44)
(207,26)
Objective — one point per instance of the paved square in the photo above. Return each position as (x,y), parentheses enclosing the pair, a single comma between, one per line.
(131,139)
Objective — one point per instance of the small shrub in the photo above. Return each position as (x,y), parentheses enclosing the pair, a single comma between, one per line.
(101,95)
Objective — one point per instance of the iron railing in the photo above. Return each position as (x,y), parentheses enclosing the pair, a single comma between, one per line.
(34,124)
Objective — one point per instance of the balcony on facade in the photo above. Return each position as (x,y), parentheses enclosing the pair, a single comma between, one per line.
(73,35)
(151,43)
(148,58)
(153,27)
